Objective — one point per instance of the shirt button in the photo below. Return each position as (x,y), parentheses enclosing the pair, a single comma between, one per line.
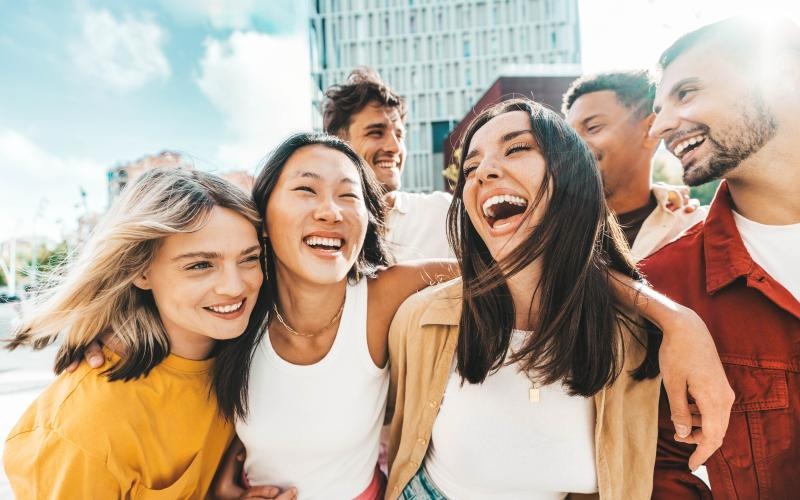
(422,441)
(432,403)
(414,463)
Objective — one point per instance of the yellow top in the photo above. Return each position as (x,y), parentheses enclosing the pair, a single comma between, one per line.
(422,344)
(155,437)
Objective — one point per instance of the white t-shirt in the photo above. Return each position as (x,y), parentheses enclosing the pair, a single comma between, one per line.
(490,441)
(775,248)
(317,427)
(416,226)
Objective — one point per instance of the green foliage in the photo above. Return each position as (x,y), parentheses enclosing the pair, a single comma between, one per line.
(705,192)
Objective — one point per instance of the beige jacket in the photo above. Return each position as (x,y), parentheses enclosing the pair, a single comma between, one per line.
(422,343)
(664,224)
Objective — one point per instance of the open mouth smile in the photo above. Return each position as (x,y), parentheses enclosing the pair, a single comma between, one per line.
(227,311)
(503,210)
(326,246)
(685,146)
(387,164)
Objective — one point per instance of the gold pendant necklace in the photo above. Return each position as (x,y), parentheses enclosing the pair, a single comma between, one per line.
(307,335)
(533,391)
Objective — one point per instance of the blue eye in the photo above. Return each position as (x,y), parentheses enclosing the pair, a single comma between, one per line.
(198,266)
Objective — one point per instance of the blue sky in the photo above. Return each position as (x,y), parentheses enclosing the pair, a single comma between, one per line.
(86,84)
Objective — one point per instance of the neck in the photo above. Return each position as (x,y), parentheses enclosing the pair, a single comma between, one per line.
(388,199)
(766,187)
(526,296)
(308,307)
(630,195)
(196,348)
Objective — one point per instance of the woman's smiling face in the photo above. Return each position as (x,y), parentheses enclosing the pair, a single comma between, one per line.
(316,218)
(504,169)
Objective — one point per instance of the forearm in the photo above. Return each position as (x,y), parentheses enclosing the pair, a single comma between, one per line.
(650,304)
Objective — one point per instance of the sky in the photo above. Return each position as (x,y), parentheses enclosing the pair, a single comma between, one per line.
(86,85)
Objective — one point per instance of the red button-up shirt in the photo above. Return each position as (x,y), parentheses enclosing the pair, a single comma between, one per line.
(755,323)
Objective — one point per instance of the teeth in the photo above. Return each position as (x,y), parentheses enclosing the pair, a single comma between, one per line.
(328,242)
(385,164)
(226,309)
(489,204)
(688,142)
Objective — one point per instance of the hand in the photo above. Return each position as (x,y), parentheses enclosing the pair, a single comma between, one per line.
(690,364)
(262,493)
(230,473)
(678,197)
(93,355)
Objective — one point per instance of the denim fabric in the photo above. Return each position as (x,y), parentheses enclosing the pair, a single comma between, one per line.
(421,487)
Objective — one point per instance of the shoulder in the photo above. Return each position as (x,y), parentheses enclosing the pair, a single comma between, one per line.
(676,251)
(436,305)
(435,199)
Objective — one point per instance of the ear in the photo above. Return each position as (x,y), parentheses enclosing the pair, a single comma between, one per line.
(647,123)
(143,281)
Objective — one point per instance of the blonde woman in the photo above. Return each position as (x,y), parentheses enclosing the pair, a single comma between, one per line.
(173,272)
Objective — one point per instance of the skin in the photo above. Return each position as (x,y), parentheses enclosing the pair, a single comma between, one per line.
(377,133)
(705,91)
(504,159)
(688,358)
(194,272)
(319,193)
(620,141)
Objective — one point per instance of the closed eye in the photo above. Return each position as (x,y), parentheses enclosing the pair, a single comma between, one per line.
(469,169)
(351,195)
(307,189)
(251,258)
(514,148)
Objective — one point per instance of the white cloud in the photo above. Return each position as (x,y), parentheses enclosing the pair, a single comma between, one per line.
(41,192)
(251,78)
(125,54)
(234,14)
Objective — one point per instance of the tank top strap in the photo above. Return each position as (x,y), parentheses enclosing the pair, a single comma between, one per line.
(353,327)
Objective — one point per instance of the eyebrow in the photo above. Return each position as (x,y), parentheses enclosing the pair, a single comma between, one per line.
(507,137)
(306,174)
(212,255)
(675,88)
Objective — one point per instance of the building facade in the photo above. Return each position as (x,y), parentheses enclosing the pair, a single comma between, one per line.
(442,55)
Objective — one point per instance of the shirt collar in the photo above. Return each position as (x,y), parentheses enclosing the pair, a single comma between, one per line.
(445,305)
(726,257)
(400,203)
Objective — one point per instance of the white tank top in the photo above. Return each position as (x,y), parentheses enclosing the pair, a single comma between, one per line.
(317,427)
(490,442)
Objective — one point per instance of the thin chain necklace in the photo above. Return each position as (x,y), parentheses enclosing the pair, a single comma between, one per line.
(307,335)
(533,391)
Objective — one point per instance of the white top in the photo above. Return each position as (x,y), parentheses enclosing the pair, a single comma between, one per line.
(317,427)
(416,226)
(490,442)
(775,248)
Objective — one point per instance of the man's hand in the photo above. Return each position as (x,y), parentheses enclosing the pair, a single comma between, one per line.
(690,364)
(678,197)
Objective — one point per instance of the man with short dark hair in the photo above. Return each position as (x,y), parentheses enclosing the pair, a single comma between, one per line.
(613,112)
(727,106)
(370,116)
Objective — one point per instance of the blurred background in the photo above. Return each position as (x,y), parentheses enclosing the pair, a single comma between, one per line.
(94,93)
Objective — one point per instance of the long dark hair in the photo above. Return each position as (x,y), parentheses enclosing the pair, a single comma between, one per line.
(578,240)
(235,363)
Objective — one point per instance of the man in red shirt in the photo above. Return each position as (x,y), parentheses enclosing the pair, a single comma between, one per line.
(728,107)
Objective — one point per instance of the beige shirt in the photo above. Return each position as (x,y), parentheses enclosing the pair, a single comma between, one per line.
(664,224)
(416,226)
(422,342)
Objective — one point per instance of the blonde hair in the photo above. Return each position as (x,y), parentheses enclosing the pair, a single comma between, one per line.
(94,293)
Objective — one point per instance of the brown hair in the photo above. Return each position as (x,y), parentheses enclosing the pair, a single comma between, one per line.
(578,240)
(363,87)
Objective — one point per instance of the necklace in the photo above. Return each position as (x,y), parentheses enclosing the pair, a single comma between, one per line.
(307,335)
(533,391)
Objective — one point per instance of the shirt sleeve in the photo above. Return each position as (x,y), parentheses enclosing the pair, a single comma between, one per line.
(44,465)
(672,477)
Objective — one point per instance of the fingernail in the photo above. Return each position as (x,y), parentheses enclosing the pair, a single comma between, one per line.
(682,430)
(95,361)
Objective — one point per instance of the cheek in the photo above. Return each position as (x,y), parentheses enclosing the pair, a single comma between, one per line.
(469,199)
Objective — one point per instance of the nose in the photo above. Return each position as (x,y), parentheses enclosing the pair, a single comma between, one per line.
(392,143)
(231,282)
(488,169)
(328,210)
(665,123)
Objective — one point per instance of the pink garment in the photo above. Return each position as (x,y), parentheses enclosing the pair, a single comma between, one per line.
(376,488)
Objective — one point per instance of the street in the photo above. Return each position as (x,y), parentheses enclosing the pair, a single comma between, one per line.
(23,374)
